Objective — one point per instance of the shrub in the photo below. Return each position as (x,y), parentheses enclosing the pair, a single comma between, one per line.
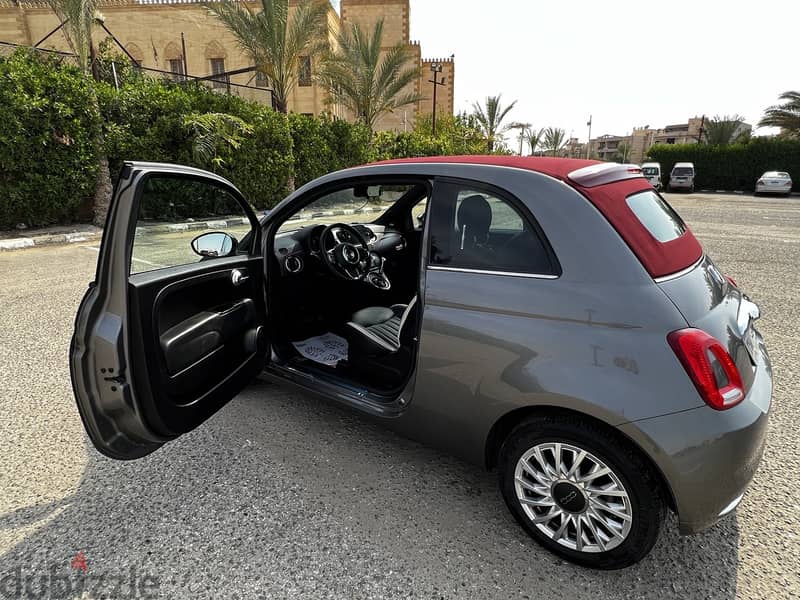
(145,120)
(49,125)
(324,144)
(734,167)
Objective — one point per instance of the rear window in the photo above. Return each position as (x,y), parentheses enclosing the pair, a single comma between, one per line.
(657,216)
(776,175)
(683,171)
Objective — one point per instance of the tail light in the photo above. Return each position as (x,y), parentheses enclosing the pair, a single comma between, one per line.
(760,182)
(788,184)
(709,366)
(732,281)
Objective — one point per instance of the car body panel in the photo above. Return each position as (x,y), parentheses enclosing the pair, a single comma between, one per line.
(129,400)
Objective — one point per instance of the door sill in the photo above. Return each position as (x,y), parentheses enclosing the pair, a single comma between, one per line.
(338,389)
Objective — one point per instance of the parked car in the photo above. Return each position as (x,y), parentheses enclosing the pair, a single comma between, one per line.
(553,319)
(774,182)
(682,177)
(652,172)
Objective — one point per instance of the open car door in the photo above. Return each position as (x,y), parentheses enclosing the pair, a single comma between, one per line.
(174,324)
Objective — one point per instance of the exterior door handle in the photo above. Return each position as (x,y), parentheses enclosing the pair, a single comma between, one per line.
(238,278)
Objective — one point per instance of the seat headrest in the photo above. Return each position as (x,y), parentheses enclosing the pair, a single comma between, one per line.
(474,219)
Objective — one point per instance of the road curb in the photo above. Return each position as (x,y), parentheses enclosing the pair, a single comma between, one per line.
(51,239)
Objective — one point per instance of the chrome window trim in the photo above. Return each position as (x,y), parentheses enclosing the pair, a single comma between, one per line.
(487,272)
(680,273)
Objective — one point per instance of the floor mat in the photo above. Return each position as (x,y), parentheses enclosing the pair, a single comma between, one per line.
(326,349)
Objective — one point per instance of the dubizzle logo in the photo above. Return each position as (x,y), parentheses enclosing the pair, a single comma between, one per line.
(59,582)
(79,563)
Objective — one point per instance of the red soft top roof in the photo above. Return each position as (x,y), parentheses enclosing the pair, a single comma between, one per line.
(659,258)
(555,167)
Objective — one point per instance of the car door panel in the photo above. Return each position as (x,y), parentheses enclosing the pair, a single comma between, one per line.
(156,353)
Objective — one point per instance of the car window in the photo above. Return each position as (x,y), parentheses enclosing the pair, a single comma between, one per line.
(657,216)
(649,171)
(682,171)
(173,211)
(354,204)
(475,229)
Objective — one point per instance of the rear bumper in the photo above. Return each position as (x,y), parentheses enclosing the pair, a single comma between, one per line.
(772,189)
(676,185)
(709,457)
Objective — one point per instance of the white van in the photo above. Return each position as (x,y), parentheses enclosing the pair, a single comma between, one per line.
(652,172)
(682,177)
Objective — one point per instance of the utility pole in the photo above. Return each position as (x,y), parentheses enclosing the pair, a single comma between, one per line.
(700,135)
(183,51)
(436,68)
(589,140)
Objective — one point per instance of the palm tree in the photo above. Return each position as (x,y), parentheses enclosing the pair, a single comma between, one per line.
(273,41)
(522,128)
(367,79)
(555,139)
(534,138)
(215,132)
(490,118)
(721,131)
(623,152)
(77,18)
(786,115)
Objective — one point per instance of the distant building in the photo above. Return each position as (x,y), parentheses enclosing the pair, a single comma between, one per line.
(150,30)
(639,141)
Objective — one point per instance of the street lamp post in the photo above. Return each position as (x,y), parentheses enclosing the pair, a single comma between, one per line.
(436,68)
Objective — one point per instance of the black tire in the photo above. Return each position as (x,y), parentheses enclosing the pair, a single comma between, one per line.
(643,486)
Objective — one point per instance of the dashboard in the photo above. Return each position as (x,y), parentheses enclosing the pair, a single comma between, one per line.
(300,249)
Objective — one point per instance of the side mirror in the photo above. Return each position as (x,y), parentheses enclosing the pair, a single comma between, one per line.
(214,244)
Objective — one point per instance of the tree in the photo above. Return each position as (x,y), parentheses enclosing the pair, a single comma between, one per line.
(77,19)
(369,80)
(274,42)
(522,128)
(721,131)
(534,139)
(214,134)
(459,134)
(623,152)
(785,115)
(490,117)
(554,140)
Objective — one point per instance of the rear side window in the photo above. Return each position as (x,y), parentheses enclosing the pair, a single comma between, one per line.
(657,216)
(473,228)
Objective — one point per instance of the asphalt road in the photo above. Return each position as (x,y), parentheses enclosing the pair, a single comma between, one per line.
(283,495)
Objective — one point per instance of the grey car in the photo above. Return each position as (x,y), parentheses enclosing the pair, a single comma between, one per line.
(551,319)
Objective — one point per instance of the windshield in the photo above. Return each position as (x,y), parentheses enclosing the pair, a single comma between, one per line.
(355,204)
(683,171)
(649,171)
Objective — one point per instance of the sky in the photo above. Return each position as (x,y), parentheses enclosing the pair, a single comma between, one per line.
(628,64)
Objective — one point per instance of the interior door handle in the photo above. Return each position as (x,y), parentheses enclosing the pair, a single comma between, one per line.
(238,278)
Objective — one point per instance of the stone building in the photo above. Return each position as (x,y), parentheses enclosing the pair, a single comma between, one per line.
(607,147)
(154,33)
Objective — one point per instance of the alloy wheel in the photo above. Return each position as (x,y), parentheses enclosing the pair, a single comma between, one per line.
(573,497)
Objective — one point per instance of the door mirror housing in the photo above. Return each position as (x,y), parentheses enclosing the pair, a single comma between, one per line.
(214,244)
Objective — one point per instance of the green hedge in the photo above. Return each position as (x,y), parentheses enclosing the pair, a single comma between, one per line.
(145,121)
(735,167)
(322,145)
(49,126)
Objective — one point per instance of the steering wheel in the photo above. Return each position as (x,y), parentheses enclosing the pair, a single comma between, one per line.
(349,259)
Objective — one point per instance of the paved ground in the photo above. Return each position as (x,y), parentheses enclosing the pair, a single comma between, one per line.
(282,495)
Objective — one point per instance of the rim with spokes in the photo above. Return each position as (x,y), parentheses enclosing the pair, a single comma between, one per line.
(573,497)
